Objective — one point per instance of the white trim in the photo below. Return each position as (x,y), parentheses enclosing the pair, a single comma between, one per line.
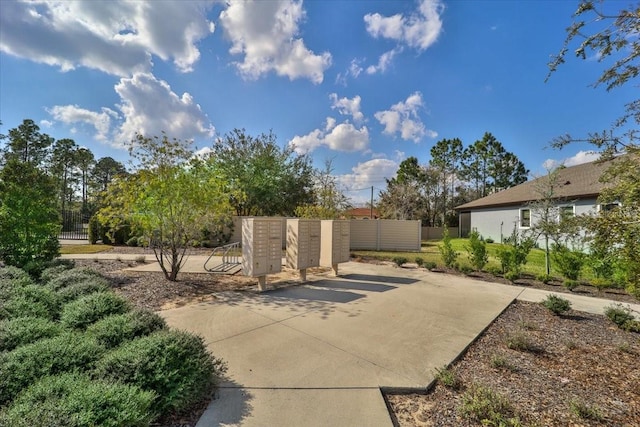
(520,218)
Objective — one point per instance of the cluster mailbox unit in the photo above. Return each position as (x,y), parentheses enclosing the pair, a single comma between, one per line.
(303,245)
(261,248)
(335,235)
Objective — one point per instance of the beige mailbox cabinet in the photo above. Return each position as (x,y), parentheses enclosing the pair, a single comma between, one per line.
(261,248)
(335,237)
(303,245)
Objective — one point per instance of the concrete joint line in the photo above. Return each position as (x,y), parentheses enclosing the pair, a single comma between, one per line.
(297,388)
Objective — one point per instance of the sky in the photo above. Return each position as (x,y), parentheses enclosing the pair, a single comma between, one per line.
(363,84)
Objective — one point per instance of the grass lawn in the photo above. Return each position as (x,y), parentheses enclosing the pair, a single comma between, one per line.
(83,249)
(430,253)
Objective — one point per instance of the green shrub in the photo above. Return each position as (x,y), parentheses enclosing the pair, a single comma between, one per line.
(492,269)
(465,269)
(75,400)
(448,378)
(399,260)
(419,261)
(521,342)
(513,253)
(88,309)
(512,276)
(601,284)
(94,230)
(570,284)
(544,278)
(585,411)
(50,356)
(115,329)
(430,265)
(25,330)
(485,406)
(489,240)
(568,262)
(449,255)
(501,362)
(174,364)
(133,241)
(619,314)
(75,275)
(12,277)
(556,304)
(50,273)
(477,250)
(32,300)
(84,287)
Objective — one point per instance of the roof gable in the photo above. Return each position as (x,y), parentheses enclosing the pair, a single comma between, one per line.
(575,182)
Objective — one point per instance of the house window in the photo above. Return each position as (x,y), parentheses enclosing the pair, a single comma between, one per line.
(608,207)
(566,212)
(525,218)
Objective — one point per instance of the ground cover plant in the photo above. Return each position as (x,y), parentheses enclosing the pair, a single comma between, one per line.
(71,349)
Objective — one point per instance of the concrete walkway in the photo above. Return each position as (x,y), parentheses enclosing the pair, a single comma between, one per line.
(317,354)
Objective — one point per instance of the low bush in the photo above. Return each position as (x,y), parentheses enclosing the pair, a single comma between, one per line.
(489,240)
(465,269)
(483,405)
(570,284)
(12,277)
(88,309)
(521,342)
(492,269)
(601,284)
(512,276)
(75,275)
(430,265)
(501,362)
(419,261)
(76,400)
(50,356)
(399,260)
(33,301)
(585,411)
(557,305)
(448,378)
(621,316)
(115,329)
(25,330)
(477,250)
(84,287)
(133,241)
(449,255)
(544,278)
(174,364)
(568,262)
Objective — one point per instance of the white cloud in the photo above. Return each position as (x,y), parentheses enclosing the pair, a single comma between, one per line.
(384,62)
(579,158)
(70,114)
(117,37)
(366,174)
(265,32)
(354,70)
(147,106)
(419,30)
(346,106)
(46,123)
(342,137)
(403,118)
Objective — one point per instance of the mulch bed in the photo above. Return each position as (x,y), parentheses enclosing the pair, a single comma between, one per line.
(577,359)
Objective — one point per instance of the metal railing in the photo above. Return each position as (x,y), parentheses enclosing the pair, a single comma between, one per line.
(230,258)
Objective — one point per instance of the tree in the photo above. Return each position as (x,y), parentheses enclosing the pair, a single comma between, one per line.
(85,162)
(329,201)
(445,157)
(63,167)
(29,217)
(171,198)
(404,197)
(105,170)
(265,179)
(27,145)
(612,37)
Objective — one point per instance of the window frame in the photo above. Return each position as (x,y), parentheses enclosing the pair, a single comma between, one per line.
(521,218)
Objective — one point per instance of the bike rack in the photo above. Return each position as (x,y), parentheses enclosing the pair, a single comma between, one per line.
(230,258)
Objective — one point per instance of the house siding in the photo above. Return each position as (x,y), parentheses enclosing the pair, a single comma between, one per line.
(498,223)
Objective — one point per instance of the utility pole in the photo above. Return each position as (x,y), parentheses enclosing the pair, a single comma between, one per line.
(371,205)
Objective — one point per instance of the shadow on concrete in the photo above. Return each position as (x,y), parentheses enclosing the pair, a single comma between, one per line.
(231,404)
(349,284)
(381,279)
(314,294)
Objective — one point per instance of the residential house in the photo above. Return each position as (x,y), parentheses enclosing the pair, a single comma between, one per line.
(361,213)
(496,215)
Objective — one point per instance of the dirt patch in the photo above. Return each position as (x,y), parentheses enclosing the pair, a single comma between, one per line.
(577,366)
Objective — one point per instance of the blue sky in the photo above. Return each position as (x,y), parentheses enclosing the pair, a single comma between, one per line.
(365,84)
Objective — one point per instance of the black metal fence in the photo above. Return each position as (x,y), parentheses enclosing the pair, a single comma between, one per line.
(75,226)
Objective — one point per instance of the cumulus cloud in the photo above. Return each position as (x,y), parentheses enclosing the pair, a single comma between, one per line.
(118,37)
(266,33)
(366,174)
(384,62)
(346,106)
(147,106)
(579,158)
(403,119)
(341,137)
(70,114)
(418,30)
